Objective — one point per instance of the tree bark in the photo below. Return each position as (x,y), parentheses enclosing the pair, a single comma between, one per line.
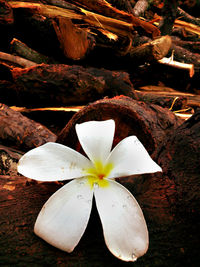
(150,123)
(22,199)
(20,132)
(58,85)
(179,158)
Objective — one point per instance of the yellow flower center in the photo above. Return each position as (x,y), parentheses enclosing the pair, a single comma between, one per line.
(98,173)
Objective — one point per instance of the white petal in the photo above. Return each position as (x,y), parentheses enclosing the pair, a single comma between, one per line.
(124,226)
(64,217)
(96,138)
(52,162)
(130,157)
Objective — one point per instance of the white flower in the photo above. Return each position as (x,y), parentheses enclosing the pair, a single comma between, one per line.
(64,217)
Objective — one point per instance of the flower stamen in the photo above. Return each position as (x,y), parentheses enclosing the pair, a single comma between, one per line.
(101,176)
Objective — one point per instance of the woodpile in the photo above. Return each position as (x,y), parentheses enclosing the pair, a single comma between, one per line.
(137,62)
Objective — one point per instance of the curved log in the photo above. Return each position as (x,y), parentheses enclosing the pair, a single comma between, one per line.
(150,123)
(22,199)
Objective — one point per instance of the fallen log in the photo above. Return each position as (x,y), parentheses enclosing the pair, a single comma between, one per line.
(20,203)
(20,132)
(150,123)
(58,85)
(179,158)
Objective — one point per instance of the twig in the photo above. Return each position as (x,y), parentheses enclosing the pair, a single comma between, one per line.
(24,51)
(187,17)
(17,60)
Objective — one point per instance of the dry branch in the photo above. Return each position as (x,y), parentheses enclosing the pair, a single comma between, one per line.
(24,51)
(16,60)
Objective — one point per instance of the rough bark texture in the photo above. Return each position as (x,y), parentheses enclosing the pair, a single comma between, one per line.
(22,199)
(23,50)
(21,132)
(56,85)
(150,123)
(179,158)
(172,102)
(150,51)
(170,202)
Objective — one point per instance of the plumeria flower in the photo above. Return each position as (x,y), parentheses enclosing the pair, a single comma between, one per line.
(64,217)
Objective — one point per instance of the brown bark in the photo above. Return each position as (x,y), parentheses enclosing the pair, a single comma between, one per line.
(179,158)
(21,201)
(187,17)
(58,85)
(20,132)
(190,45)
(21,49)
(170,202)
(184,55)
(150,123)
(172,102)
(192,100)
(16,60)
(150,51)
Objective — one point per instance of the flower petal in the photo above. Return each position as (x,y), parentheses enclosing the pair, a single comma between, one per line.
(52,162)
(96,138)
(130,157)
(124,226)
(64,217)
